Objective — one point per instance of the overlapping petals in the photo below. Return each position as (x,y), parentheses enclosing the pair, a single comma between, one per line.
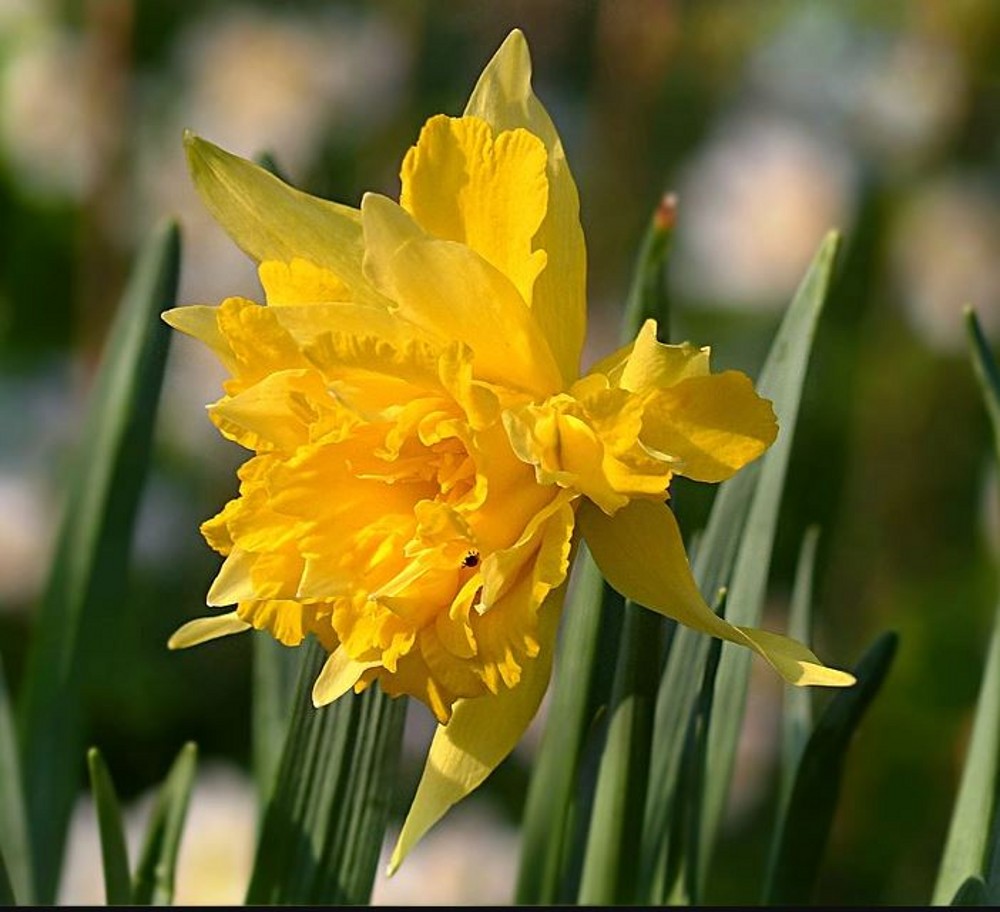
(425,450)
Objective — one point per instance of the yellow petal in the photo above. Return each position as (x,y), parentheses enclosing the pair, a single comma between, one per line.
(504,99)
(451,292)
(271,221)
(641,554)
(300,282)
(653,365)
(233,583)
(481,733)
(201,630)
(339,674)
(491,195)
(714,425)
(201,322)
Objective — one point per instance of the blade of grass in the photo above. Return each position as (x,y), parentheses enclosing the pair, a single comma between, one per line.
(805,825)
(782,381)
(326,819)
(14,846)
(154,876)
(114,853)
(753,491)
(273,684)
(88,573)
(797,718)
(967,846)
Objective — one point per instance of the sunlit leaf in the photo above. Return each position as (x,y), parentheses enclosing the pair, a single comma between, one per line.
(114,853)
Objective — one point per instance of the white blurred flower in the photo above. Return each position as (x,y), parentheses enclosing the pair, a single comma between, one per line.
(944,254)
(469,860)
(216,851)
(44,126)
(755,204)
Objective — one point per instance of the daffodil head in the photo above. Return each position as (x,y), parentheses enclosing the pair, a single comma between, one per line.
(424,447)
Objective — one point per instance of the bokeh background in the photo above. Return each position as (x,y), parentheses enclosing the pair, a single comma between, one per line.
(773,122)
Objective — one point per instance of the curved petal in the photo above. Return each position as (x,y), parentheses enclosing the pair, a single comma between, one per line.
(714,425)
(481,733)
(641,554)
(449,290)
(270,220)
(339,674)
(201,630)
(490,193)
(504,99)
(654,365)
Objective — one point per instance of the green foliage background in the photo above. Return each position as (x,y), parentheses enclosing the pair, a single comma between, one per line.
(892,451)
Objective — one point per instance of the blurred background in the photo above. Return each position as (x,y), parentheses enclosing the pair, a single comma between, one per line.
(772,121)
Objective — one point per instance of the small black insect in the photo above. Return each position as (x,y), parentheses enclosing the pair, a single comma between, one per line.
(471,559)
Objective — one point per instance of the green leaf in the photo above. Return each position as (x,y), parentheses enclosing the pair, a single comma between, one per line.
(753,492)
(14,846)
(797,720)
(781,381)
(154,876)
(967,846)
(114,853)
(972,893)
(273,684)
(546,829)
(88,574)
(325,822)
(611,861)
(805,825)
(6,891)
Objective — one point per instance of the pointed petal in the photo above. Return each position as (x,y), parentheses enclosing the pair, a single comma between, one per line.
(270,220)
(504,99)
(481,733)
(200,321)
(233,583)
(714,425)
(201,630)
(641,554)
(451,292)
(653,365)
(490,193)
(339,674)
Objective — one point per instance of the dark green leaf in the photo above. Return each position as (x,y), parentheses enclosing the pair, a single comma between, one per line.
(972,893)
(87,578)
(325,822)
(273,683)
(154,876)
(805,825)
(6,891)
(114,854)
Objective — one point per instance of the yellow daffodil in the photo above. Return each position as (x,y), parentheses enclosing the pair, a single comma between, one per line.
(425,450)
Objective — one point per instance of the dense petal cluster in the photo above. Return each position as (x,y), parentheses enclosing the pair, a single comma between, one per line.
(425,451)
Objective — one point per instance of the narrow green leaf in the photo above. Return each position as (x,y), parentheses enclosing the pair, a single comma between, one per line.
(967,846)
(781,381)
(273,687)
(326,819)
(154,876)
(797,720)
(14,846)
(6,891)
(805,825)
(546,828)
(753,492)
(972,893)
(88,574)
(611,861)
(647,295)
(114,853)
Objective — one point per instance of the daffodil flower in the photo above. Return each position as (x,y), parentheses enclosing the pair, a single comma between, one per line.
(425,450)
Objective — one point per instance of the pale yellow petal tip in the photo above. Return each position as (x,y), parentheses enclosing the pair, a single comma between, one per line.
(201,630)
(821,676)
